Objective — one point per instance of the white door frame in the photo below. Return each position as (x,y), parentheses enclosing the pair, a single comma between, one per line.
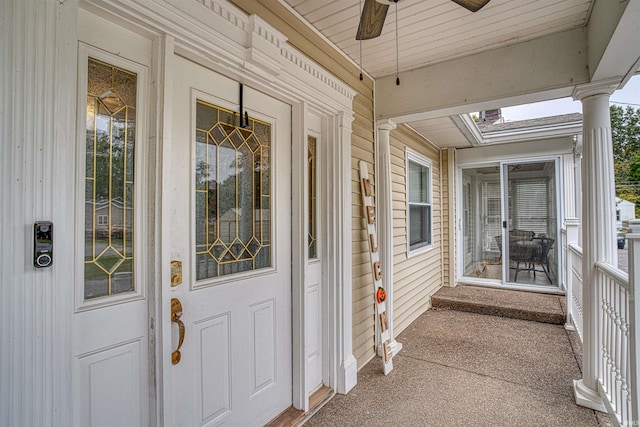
(504,190)
(560,212)
(224,39)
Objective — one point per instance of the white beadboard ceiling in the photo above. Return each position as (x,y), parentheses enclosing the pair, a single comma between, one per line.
(432,31)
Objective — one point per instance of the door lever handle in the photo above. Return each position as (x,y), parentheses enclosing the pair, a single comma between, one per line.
(176,313)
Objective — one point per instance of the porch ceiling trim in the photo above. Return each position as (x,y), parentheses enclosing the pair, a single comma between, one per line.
(466,125)
(613,34)
(531,134)
(544,68)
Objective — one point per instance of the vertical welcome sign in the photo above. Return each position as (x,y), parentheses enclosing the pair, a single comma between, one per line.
(379,291)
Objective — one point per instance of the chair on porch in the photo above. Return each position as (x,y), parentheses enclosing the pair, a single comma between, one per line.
(542,257)
(522,250)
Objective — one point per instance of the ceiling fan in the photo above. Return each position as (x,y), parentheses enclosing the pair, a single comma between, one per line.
(374,13)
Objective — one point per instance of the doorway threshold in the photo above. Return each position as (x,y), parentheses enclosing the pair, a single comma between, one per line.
(293,417)
(490,283)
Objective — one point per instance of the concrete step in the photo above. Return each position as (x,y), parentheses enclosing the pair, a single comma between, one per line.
(523,305)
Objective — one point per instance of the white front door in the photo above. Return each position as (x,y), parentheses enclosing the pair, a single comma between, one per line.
(230,225)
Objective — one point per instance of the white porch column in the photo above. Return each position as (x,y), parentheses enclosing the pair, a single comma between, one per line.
(598,223)
(341,203)
(385,218)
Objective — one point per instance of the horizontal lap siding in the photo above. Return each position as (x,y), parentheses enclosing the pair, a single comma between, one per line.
(416,278)
(362,148)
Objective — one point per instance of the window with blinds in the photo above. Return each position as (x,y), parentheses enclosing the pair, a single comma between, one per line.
(491,214)
(419,223)
(530,205)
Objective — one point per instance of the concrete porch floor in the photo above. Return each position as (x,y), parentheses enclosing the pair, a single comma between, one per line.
(467,369)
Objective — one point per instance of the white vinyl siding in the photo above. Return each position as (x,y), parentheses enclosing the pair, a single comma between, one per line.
(418,276)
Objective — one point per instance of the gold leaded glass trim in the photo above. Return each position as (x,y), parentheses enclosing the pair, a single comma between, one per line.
(233,193)
(313,191)
(109,180)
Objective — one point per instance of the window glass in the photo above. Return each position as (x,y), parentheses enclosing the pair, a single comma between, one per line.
(233,194)
(109,180)
(311,159)
(419,201)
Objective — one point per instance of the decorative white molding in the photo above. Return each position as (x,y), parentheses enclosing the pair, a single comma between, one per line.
(264,47)
(606,87)
(221,36)
(323,37)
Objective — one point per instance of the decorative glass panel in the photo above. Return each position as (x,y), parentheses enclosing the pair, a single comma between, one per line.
(233,197)
(109,198)
(311,158)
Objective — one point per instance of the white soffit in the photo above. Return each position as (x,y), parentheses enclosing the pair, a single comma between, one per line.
(441,132)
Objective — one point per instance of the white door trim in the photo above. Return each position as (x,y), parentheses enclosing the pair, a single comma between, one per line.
(224,39)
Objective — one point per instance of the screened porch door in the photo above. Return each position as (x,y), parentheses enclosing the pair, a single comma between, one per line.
(530,206)
(230,222)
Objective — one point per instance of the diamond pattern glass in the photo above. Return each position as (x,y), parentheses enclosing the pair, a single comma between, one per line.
(109,172)
(312,226)
(233,216)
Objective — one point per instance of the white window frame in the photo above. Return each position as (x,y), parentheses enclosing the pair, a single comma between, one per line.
(423,161)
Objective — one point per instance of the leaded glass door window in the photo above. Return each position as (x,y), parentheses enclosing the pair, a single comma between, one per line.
(312,238)
(109,180)
(233,193)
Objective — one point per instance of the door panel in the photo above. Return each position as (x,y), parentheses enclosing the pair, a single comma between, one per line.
(110,322)
(531,206)
(231,226)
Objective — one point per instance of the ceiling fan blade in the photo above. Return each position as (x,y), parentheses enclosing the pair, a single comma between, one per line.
(472,5)
(371,20)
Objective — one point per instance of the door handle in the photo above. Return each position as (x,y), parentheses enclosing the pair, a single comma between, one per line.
(176,313)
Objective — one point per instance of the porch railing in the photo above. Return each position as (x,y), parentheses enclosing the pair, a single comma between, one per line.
(614,365)
(574,287)
(616,323)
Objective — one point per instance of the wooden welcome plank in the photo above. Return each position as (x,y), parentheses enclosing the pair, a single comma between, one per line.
(379,291)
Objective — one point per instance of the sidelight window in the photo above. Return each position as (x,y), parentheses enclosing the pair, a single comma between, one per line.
(109,180)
